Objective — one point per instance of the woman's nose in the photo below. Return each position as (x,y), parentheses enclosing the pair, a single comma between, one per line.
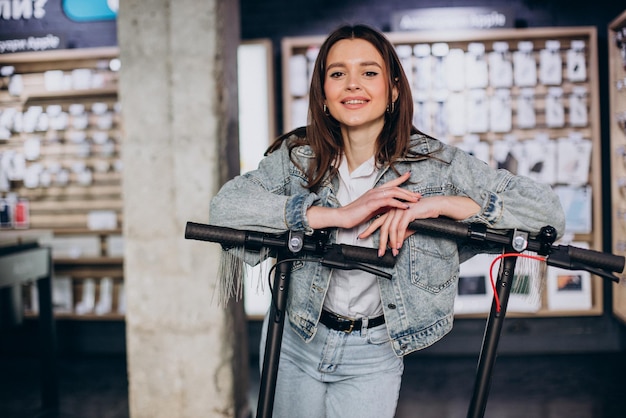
(352,83)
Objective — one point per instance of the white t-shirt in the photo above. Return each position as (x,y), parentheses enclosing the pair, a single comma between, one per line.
(354,293)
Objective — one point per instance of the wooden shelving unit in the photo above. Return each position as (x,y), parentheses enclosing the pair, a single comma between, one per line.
(617,90)
(298,54)
(77,136)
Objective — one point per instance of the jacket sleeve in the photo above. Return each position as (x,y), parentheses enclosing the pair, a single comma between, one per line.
(508,201)
(261,200)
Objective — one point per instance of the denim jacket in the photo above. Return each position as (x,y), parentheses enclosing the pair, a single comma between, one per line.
(418,301)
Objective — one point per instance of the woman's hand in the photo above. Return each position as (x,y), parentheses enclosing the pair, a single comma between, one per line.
(388,196)
(393,224)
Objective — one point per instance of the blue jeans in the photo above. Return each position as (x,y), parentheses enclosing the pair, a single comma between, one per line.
(337,375)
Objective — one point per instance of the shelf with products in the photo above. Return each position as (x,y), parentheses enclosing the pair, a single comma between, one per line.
(88,269)
(60,170)
(88,298)
(617,92)
(521,99)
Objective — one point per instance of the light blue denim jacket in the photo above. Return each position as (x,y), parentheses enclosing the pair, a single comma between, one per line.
(418,301)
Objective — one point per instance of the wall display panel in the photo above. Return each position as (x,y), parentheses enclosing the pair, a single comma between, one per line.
(60,170)
(256,132)
(60,139)
(617,90)
(521,99)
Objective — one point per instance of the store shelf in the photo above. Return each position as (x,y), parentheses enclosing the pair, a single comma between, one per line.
(69,135)
(69,96)
(617,90)
(85,317)
(89,267)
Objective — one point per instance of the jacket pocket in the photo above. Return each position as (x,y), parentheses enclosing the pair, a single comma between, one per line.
(434,262)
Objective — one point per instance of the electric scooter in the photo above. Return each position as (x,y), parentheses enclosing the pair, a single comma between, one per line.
(292,246)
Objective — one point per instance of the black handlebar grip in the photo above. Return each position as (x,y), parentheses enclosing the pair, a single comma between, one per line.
(443,226)
(223,235)
(367,255)
(605,261)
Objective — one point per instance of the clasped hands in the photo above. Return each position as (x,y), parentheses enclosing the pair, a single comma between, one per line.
(391,209)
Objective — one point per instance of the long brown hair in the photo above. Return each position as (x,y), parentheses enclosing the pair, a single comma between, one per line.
(323,133)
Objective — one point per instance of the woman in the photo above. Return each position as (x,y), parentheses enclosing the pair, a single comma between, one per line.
(362,171)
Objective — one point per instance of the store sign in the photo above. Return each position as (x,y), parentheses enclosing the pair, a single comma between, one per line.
(451,18)
(42,25)
(76,10)
(31,43)
(22,9)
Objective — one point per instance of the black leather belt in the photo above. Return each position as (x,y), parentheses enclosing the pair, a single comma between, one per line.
(341,323)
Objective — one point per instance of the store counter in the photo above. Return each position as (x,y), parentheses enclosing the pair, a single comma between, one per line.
(24,259)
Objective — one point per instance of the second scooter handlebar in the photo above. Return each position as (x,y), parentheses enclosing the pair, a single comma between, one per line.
(564,256)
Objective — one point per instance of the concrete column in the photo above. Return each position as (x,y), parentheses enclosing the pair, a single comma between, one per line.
(178,94)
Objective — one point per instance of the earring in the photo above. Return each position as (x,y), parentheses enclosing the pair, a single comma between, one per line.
(326,110)
(390,107)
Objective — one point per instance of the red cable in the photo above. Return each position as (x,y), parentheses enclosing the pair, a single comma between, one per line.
(501,256)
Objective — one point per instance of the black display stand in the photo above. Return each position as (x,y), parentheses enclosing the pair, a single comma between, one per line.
(290,246)
(24,263)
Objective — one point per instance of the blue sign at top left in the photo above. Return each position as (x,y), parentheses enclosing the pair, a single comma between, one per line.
(90,10)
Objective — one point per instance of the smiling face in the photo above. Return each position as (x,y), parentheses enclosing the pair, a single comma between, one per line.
(356,85)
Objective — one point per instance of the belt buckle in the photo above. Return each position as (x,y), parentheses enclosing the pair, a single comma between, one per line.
(350,320)
(351,328)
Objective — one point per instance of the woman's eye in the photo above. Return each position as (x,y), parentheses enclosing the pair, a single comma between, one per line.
(371,73)
(335,74)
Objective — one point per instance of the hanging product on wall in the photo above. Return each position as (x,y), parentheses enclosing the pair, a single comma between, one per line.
(576,62)
(455,70)
(555,110)
(526,118)
(578,107)
(524,65)
(422,75)
(541,152)
(500,66)
(456,114)
(500,111)
(476,73)
(550,64)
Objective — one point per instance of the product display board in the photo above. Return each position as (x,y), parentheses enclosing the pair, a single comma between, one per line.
(60,170)
(256,132)
(617,89)
(521,99)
